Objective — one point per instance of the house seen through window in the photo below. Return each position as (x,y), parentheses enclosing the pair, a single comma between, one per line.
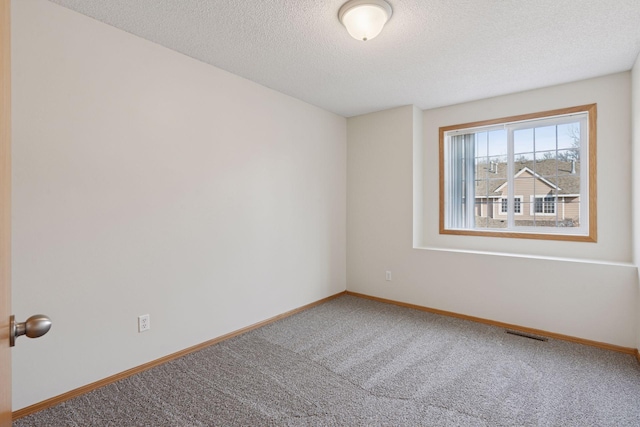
(529,176)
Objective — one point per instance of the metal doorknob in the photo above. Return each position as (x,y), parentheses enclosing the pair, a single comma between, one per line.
(35,326)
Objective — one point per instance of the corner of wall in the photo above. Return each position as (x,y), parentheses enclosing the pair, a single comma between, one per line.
(418,178)
(380,197)
(635,144)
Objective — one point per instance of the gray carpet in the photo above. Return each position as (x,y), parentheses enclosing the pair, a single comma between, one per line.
(355,362)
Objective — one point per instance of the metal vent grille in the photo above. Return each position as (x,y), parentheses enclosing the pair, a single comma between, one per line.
(525,335)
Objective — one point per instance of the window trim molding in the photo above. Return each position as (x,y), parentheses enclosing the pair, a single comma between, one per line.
(555,201)
(592,236)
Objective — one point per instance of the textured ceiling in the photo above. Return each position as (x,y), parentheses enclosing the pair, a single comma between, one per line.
(431,53)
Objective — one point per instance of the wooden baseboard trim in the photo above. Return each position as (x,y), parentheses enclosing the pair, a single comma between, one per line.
(106,381)
(638,355)
(612,347)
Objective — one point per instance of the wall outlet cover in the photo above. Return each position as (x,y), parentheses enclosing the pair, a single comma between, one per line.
(144,323)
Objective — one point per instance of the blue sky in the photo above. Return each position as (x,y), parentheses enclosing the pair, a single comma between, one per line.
(524,141)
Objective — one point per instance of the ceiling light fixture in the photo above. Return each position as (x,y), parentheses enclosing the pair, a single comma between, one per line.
(364,19)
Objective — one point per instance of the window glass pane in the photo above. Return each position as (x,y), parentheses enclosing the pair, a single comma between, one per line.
(517,205)
(482,188)
(498,166)
(493,185)
(568,184)
(565,158)
(523,141)
(525,185)
(482,168)
(545,138)
(498,144)
(537,205)
(570,214)
(525,219)
(490,167)
(569,136)
(491,221)
(481,144)
(546,155)
(480,211)
(524,158)
(568,155)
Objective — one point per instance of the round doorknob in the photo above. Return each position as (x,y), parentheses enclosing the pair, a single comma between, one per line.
(35,326)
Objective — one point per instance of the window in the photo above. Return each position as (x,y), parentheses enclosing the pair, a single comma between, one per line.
(544,205)
(530,176)
(517,205)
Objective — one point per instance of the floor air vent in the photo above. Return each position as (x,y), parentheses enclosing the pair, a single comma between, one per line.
(524,334)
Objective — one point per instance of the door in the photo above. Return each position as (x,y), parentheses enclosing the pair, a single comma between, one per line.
(5,212)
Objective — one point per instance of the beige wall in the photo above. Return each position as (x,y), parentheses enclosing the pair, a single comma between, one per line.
(148,182)
(571,208)
(579,289)
(526,186)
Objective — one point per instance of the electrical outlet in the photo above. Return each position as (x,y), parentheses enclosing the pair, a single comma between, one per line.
(144,323)
(388,276)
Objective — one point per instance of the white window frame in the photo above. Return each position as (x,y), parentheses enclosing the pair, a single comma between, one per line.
(520,198)
(585,231)
(532,206)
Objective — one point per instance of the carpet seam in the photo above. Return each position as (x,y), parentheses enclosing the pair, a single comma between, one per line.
(375,395)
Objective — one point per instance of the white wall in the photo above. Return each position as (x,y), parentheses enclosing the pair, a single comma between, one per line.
(148,182)
(635,126)
(586,290)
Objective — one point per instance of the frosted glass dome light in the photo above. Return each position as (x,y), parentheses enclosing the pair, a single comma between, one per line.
(364,19)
